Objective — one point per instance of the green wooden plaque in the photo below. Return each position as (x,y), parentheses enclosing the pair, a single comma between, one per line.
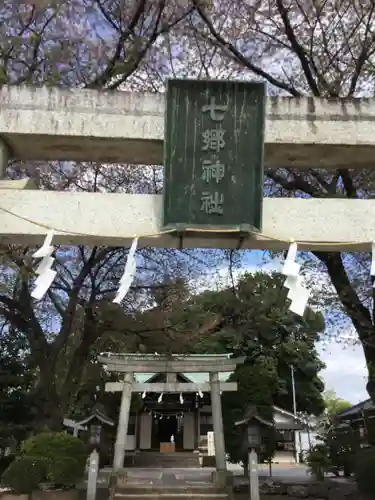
(213,155)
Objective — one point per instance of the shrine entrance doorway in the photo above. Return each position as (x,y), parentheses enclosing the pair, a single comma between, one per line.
(163,428)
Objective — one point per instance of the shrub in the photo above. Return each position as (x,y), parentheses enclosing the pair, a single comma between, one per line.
(318,460)
(5,462)
(63,471)
(24,474)
(364,472)
(343,445)
(65,456)
(53,444)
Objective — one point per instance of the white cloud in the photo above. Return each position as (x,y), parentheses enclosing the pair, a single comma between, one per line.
(346,371)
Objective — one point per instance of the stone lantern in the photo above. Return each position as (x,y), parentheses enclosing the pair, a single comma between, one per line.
(254,425)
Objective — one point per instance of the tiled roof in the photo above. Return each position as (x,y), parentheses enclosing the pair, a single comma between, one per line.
(195,378)
(356,410)
(97,415)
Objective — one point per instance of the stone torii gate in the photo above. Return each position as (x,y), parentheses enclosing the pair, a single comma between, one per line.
(128,364)
(122,127)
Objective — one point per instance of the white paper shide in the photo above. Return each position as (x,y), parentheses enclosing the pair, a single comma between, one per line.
(129,273)
(44,271)
(372,270)
(298,294)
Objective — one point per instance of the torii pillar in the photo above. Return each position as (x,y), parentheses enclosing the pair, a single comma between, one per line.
(123,421)
(217,420)
(4,156)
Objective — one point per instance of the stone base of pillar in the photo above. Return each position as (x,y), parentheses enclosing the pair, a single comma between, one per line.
(122,478)
(118,479)
(112,483)
(223,479)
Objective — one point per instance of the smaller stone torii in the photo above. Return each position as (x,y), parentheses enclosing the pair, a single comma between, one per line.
(128,364)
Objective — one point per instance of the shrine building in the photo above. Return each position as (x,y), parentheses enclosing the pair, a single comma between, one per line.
(180,407)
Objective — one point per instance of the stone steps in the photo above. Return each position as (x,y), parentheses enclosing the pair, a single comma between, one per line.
(169,493)
(172,496)
(166,486)
(166,460)
(149,489)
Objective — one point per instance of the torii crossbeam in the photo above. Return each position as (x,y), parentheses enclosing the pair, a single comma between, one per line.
(86,125)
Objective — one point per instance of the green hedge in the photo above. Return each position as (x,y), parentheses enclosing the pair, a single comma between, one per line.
(65,456)
(5,462)
(24,474)
(54,444)
(365,471)
(53,457)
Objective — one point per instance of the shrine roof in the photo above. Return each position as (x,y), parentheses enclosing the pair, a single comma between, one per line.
(196,378)
(357,410)
(283,420)
(97,415)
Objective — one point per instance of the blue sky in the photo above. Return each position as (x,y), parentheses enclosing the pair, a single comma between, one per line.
(345,371)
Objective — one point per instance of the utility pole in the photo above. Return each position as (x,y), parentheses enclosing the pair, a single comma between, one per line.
(295,415)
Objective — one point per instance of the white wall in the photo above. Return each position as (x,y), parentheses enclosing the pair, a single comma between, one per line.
(130,443)
(305,440)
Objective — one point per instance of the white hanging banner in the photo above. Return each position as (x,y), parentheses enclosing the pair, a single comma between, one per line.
(300,300)
(295,288)
(292,252)
(125,285)
(42,284)
(290,268)
(46,249)
(44,271)
(46,263)
(291,281)
(372,270)
(129,273)
(297,293)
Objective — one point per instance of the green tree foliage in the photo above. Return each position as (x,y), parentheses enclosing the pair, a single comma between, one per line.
(65,456)
(257,382)
(16,380)
(252,320)
(175,323)
(319,461)
(339,445)
(290,45)
(255,322)
(24,475)
(334,405)
(319,49)
(98,45)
